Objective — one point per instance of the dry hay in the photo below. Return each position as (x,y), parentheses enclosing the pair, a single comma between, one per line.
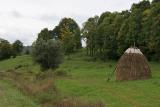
(132,65)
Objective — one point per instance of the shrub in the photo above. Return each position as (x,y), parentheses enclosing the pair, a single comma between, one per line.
(47,53)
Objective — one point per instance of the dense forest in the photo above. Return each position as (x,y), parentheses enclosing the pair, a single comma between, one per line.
(107,36)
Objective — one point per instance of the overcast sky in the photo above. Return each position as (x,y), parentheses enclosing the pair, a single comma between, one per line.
(23,19)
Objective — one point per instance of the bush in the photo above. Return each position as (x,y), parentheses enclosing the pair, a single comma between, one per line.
(47,53)
(17,47)
(5,50)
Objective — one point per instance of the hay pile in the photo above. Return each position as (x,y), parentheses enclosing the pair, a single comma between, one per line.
(132,66)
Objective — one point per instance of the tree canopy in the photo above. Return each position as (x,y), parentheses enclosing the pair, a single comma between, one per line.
(5,49)
(17,47)
(68,32)
(47,53)
(114,32)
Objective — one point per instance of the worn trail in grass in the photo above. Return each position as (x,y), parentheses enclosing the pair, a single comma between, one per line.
(87,80)
(12,97)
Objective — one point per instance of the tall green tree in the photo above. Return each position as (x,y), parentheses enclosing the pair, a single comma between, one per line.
(89,32)
(146,32)
(45,34)
(142,5)
(123,38)
(5,49)
(154,40)
(103,16)
(68,26)
(108,30)
(135,27)
(17,47)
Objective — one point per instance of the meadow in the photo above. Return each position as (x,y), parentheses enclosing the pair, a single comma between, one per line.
(84,78)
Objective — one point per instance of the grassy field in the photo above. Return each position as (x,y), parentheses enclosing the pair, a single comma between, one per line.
(12,97)
(87,79)
(20,64)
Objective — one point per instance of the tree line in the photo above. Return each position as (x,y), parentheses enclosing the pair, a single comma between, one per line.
(109,35)
(8,50)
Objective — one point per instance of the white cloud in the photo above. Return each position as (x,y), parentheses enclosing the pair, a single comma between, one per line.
(23,19)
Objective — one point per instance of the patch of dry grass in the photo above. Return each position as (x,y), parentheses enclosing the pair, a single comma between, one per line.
(41,86)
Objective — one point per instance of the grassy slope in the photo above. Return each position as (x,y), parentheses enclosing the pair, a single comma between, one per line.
(88,81)
(11,97)
(25,61)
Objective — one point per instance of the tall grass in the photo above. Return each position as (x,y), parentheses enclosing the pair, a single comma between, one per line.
(41,89)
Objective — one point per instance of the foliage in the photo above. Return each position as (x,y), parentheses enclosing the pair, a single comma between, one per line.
(68,32)
(110,34)
(155,1)
(5,49)
(89,32)
(45,34)
(17,47)
(47,53)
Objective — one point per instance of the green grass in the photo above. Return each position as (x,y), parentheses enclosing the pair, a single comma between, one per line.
(12,97)
(87,80)
(24,61)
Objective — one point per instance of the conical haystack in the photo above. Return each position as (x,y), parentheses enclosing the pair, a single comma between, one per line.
(132,65)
